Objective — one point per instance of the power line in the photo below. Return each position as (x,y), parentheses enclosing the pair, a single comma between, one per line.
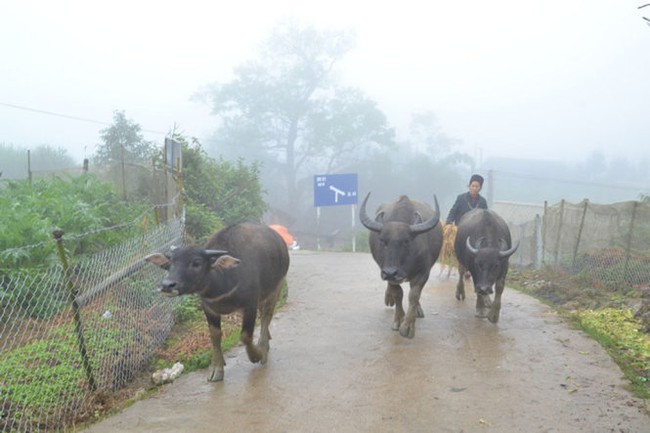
(67,116)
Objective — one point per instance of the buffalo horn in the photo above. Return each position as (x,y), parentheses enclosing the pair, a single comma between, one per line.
(508,253)
(470,248)
(365,220)
(430,223)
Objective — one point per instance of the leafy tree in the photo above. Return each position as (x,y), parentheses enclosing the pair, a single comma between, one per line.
(218,192)
(123,141)
(287,110)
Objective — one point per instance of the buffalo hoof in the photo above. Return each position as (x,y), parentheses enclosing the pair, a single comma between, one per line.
(255,354)
(493,315)
(216,375)
(407,331)
(460,294)
(481,313)
(419,312)
(395,326)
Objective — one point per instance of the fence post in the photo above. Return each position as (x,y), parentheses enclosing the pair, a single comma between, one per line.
(582,224)
(72,294)
(179,186)
(123,172)
(539,245)
(544,222)
(628,247)
(29,167)
(559,235)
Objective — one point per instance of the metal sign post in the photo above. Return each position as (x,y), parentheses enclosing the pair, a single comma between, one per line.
(335,190)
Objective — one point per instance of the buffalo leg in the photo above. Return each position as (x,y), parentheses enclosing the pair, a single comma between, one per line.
(267,307)
(247,330)
(419,312)
(495,309)
(407,328)
(483,302)
(460,287)
(218,362)
(388,297)
(397,294)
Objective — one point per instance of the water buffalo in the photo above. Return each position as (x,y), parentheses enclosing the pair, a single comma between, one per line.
(242,267)
(405,241)
(483,246)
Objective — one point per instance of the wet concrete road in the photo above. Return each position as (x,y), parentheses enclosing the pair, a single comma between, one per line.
(335,365)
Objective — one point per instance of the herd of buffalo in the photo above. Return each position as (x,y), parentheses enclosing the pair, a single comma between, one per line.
(243,268)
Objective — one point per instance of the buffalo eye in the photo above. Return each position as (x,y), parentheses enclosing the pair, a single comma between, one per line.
(197,263)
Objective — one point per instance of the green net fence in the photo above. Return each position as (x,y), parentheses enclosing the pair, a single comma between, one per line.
(607,243)
(70,335)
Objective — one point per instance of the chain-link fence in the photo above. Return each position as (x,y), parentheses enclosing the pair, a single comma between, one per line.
(525,222)
(608,243)
(72,334)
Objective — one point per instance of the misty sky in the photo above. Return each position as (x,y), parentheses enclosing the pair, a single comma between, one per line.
(548,80)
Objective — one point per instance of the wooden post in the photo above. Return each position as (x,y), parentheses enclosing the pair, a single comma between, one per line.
(544,222)
(72,294)
(179,184)
(559,234)
(539,242)
(29,167)
(582,224)
(628,247)
(123,172)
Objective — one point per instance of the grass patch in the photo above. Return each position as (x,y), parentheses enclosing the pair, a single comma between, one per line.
(190,342)
(619,333)
(602,314)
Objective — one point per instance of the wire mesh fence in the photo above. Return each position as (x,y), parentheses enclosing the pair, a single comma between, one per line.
(74,332)
(609,244)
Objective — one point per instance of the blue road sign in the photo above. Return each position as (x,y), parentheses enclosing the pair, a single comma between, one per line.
(335,189)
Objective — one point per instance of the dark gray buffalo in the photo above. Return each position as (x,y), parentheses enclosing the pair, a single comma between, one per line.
(483,247)
(242,267)
(405,241)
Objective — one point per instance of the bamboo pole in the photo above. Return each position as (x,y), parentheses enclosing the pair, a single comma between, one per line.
(582,225)
(78,325)
(559,234)
(628,247)
(544,222)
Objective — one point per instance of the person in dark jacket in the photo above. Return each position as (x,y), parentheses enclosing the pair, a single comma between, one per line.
(468,200)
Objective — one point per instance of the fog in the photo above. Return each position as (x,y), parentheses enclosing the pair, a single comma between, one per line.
(557,81)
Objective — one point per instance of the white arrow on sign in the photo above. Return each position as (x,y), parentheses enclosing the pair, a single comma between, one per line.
(337,192)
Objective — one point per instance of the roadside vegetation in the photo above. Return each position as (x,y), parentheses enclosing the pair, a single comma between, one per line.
(95,216)
(615,316)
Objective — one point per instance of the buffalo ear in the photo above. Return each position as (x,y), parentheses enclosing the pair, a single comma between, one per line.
(226,262)
(380,217)
(159,260)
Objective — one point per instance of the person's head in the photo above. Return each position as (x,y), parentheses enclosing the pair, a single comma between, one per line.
(475,184)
